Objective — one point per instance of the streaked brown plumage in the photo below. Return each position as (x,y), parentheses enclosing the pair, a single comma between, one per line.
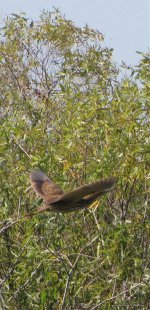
(56,200)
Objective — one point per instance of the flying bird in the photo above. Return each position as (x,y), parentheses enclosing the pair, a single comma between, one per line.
(80,198)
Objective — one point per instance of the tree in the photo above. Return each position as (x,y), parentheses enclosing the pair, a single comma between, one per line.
(65,109)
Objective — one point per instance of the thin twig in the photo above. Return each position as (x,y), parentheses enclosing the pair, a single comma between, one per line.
(27,216)
(9,225)
(11,269)
(22,149)
(68,280)
(114,297)
(23,285)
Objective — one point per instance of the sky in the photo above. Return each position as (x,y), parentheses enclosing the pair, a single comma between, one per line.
(124,23)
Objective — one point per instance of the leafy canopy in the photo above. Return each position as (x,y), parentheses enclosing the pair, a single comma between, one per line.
(65,109)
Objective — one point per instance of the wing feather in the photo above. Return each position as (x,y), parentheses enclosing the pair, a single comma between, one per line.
(44,187)
(96,188)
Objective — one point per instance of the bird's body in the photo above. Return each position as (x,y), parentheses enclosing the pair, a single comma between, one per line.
(56,200)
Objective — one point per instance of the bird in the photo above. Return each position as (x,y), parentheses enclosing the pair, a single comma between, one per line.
(55,199)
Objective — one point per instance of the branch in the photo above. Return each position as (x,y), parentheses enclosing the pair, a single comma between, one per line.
(23,285)
(114,297)
(68,280)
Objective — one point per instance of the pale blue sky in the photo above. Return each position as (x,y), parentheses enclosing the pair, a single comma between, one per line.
(125,23)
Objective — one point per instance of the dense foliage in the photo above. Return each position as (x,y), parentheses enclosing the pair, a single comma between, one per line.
(66,109)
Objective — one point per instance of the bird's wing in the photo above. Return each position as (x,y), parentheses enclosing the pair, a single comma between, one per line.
(97,188)
(44,187)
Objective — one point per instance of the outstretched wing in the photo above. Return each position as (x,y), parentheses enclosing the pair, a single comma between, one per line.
(44,187)
(90,191)
(81,198)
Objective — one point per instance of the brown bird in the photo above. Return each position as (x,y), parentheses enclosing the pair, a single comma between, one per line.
(80,198)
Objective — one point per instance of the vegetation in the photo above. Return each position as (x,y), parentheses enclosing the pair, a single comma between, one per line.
(66,109)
